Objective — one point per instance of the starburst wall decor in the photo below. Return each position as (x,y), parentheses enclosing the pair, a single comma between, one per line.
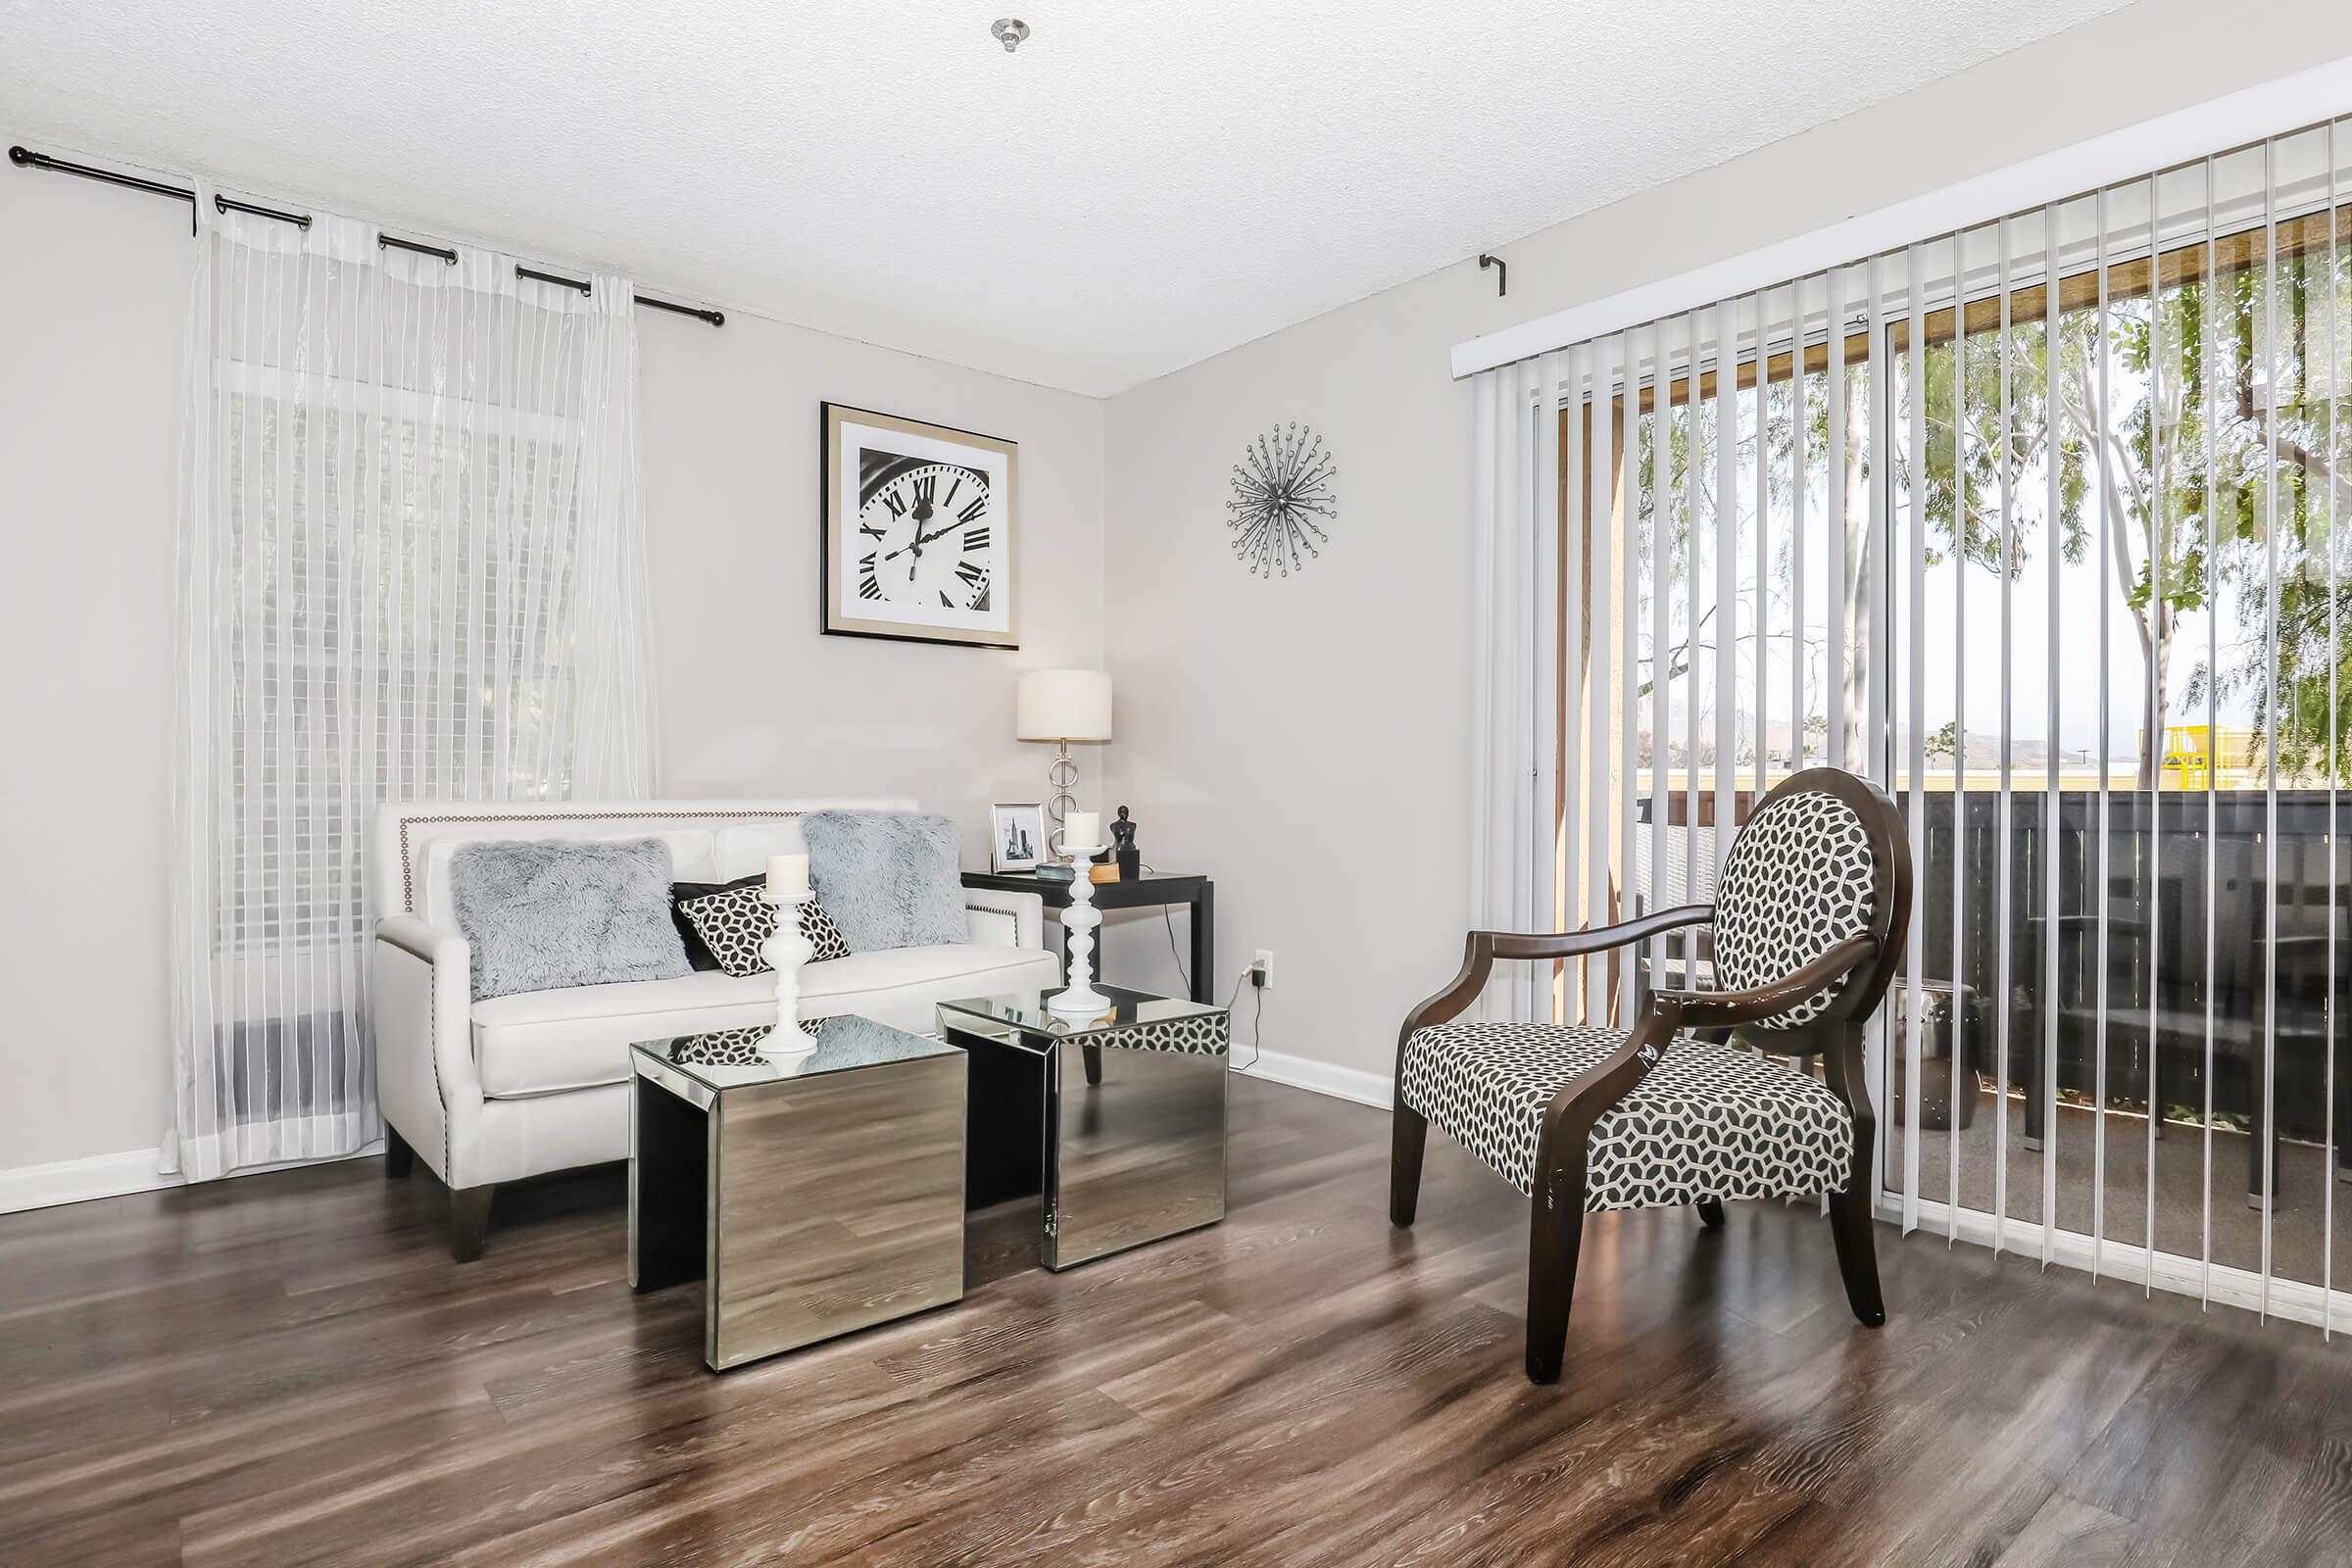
(1283,491)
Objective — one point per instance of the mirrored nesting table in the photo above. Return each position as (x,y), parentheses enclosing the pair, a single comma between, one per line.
(811,1195)
(1118,1120)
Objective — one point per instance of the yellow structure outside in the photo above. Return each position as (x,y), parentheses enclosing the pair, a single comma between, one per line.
(2189,756)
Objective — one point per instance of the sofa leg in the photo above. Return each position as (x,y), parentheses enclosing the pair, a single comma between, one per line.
(1710,1212)
(468,1220)
(399,1157)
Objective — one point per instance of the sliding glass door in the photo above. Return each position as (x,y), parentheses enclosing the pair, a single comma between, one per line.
(2037,524)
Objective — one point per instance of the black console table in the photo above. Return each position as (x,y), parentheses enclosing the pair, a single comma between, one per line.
(1150,891)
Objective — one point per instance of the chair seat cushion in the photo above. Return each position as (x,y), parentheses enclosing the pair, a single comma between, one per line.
(1708,1121)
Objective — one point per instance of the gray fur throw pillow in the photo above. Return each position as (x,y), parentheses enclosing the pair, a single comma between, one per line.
(546,915)
(887,878)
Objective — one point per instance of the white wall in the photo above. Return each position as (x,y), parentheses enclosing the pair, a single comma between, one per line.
(93,296)
(751,698)
(1305,740)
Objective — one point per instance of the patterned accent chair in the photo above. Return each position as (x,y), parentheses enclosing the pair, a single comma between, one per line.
(1807,926)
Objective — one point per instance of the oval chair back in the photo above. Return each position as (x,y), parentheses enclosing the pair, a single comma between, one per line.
(1821,860)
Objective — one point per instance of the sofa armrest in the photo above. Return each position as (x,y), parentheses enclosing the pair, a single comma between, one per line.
(422,1008)
(422,938)
(1004,920)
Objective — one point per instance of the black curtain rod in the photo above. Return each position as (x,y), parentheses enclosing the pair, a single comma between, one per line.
(221,204)
(715,318)
(27,158)
(382,240)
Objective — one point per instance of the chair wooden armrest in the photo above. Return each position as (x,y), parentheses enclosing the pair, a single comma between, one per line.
(1727,1009)
(1480,948)
(1588,940)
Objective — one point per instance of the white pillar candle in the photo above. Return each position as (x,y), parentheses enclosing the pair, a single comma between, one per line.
(787,877)
(1082,830)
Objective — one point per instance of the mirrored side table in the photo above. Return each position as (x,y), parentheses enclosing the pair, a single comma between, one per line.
(812,1196)
(1117,1121)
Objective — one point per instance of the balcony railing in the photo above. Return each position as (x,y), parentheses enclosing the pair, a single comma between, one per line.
(2198,883)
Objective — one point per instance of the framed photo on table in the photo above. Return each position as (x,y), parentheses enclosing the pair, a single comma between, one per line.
(1016,837)
(922,532)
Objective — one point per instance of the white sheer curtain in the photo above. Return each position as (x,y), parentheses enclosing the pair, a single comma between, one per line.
(1516,612)
(412,565)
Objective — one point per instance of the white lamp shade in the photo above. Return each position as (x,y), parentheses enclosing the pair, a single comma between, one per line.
(1063,705)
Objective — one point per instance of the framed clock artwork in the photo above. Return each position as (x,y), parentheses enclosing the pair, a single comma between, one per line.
(922,527)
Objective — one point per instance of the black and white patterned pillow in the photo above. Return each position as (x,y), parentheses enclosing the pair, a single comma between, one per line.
(824,937)
(736,923)
(729,1048)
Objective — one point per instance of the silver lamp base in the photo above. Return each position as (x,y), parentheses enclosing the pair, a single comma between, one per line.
(1061,776)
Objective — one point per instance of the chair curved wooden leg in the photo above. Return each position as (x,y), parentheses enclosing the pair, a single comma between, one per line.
(1858,1252)
(1849,1211)
(1554,1239)
(1408,1136)
(1710,1212)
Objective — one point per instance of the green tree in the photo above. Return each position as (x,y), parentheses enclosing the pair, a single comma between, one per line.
(2179,433)
(2278,381)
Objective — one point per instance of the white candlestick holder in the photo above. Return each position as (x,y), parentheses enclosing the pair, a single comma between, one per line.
(1079,998)
(786,950)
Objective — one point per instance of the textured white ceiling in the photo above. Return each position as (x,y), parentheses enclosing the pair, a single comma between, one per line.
(1142,185)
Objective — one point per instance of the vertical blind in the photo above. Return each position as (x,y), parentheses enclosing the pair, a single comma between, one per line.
(2034,524)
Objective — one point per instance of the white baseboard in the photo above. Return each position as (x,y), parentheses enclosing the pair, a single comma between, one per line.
(73,1181)
(76,1181)
(1375,1089)
(2121,1260)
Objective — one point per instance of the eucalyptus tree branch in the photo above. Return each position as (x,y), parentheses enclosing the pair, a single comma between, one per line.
(2104,435)
(2281,447)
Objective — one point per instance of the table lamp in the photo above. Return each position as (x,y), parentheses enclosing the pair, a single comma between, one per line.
(1063,706)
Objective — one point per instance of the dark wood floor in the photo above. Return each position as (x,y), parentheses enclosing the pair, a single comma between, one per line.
(289,1369)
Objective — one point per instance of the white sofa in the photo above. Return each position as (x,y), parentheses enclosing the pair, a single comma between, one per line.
(494,1091)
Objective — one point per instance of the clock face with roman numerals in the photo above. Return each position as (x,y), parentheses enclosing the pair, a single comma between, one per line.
(924,537)
(919,530)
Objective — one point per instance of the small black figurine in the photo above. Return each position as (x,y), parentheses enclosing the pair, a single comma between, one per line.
(1122,840)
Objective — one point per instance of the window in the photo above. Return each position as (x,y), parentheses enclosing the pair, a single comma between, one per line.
(352,683)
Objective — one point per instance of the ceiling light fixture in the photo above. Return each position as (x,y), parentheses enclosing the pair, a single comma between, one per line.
(1010,31)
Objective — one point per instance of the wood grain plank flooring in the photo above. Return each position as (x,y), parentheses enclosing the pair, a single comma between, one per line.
(287,1369)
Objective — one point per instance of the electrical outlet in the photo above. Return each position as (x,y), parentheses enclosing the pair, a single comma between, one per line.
(1263,967)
